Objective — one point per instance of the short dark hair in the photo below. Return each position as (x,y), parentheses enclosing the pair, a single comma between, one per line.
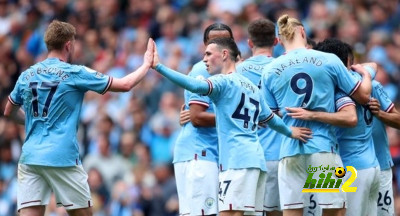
(229,44)
(57,34)
(262,32)
(311,42)
(337,47)
(216,27)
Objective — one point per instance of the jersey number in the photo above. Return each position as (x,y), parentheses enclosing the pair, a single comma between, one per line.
(227,183)
(387,200)
(35,105)
(245,116)
(307,89)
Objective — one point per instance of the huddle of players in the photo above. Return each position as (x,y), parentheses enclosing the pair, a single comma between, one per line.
(259,169)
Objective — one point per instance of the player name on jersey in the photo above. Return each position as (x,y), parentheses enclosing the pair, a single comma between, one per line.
(248,86)
(252,67)
(51,70)
(292,62)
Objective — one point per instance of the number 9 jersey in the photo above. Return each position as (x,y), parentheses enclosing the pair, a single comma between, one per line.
(51,94)
(306,78)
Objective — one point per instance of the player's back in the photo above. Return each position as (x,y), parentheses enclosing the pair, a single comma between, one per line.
(197,142)
(379,134)
(356,144)
(51,93)
(237,109)
(307,78)
(252,69)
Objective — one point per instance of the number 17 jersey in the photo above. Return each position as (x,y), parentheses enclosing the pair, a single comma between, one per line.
(306,78)
(51,94)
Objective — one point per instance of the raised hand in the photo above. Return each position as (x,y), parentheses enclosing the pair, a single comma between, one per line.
(301,133)
(149,54)
(156,59)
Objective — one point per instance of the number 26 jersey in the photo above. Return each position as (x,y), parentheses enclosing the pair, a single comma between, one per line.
(51,94)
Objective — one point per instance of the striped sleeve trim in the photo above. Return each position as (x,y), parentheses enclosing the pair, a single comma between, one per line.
(210,87)
(199,103)
(355,88)
(345,105)
(267,119)
(390,108)
(13,102)
(274,109)
(110,80)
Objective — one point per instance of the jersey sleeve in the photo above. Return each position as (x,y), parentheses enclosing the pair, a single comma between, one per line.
(371,71)
(198,98)
(90,80)
(342,77)
(267,95)
(272,120)
(217,84)
(15,96)
(342,100)
(266,113)
(379,93)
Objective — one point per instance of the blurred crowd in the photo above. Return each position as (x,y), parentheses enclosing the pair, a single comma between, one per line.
(126,140)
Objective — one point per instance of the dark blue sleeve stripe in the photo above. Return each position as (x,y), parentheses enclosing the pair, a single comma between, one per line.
(13,102)
(110,79)
(199,102)
(267,119)
(345,105)
(355,88)
(389,108)
(210,87)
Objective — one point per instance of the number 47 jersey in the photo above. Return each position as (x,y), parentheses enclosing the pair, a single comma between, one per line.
(238,107)
(51,94)
(306,78)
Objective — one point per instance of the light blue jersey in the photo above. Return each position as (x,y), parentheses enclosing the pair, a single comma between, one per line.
(238,106)
(356,146)
(51,93)
(197,142)
(306,78)
(270,140)
(379,134)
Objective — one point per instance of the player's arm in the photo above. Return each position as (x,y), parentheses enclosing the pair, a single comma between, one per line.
(390,118)
(15,113)
(363,92)
(277,124)
(192,84)
(186,82)
(345,117)
(127,82)
(373,66)
(200,118)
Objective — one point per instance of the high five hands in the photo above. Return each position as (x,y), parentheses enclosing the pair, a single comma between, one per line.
(155,59)
(149,54)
